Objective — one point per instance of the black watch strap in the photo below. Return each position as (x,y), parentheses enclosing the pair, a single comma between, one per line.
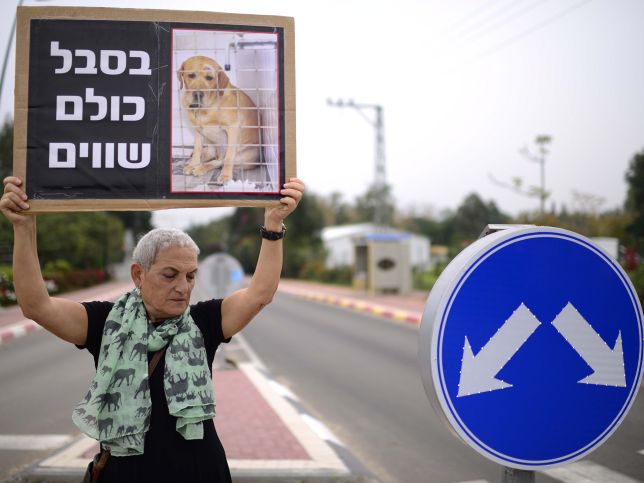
(273,235)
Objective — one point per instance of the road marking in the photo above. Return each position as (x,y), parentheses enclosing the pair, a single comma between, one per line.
(33,442)
(283,390)
(587,472)
(252,355)
(320,429)
(641,452)
(474,481)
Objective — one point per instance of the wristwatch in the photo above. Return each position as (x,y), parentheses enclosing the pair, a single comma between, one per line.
(273,235)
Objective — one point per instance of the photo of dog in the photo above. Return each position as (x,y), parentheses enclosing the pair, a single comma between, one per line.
(225,115)
(222,115)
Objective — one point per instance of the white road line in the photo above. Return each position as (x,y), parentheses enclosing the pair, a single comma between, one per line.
(320,429)
(641,452)
(588,472)
(474,481)
(33,442)
(252,355)
(283,390)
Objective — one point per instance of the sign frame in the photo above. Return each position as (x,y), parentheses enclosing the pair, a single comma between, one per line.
(57,202)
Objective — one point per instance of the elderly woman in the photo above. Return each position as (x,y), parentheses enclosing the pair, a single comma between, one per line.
(161,429)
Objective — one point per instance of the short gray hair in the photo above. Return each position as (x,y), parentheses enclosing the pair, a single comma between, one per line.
(146,250)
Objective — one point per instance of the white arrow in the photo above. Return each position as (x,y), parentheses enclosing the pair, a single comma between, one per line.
(477,372)
(607,363)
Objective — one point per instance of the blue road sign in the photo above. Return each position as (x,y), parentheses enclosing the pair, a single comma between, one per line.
(531,346)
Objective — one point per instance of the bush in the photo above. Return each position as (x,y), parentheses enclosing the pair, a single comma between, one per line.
(425,280)
(315,270)
(7,294)
(637,277)
(59,277)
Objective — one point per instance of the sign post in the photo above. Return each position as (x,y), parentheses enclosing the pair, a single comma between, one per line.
(531,347)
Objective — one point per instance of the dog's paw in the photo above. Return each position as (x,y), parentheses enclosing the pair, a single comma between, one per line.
(188,168)
(201,169)
(223,178)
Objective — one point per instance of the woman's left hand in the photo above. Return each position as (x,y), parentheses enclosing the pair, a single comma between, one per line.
(292,193)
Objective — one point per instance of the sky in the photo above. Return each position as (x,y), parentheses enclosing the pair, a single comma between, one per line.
(464,85)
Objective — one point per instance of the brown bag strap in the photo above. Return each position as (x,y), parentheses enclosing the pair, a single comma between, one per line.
(102,460)
(155,360)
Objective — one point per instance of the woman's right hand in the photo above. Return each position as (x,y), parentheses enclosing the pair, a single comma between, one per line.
(14,201)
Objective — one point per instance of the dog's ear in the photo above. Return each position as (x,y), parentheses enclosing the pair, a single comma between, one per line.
(180,75)
(222,82)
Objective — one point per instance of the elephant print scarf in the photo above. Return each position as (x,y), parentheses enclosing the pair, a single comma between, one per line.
(116,410)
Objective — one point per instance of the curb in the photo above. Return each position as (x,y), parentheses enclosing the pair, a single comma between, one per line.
(26,326)
(18,329)
(357,305)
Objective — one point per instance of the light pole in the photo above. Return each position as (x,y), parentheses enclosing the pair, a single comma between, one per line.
(380,179)
(8,50)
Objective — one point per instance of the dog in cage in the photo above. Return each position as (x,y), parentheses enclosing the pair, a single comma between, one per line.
(225,118)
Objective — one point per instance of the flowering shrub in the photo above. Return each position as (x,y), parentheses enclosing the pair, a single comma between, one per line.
(7,294)
(56,281)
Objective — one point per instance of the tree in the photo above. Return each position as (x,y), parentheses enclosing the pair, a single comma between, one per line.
(139,222)
(517,184)
(472,216)
(366,204)
(238,234)
(335,210)
(635,200)
(84,240)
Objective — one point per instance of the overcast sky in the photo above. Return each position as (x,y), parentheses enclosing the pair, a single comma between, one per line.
(464,85)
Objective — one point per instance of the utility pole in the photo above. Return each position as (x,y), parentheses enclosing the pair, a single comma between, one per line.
(8,51)
(380,178)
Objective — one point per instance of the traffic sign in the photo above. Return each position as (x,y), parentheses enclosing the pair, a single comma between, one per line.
(222,274)
(531,346)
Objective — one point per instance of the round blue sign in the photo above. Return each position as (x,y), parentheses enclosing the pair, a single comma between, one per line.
(531,346)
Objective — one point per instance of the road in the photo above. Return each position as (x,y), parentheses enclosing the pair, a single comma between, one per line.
(356,373)
(41,380)
(359,374)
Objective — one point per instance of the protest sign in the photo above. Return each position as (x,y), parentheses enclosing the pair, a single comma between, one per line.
(125,109)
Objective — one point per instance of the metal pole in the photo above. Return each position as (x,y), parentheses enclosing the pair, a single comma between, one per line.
(380,180)
(512,475)
(6,54)
(543,182)
(381,217)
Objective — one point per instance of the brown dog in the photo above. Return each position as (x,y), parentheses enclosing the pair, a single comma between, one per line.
(223,115)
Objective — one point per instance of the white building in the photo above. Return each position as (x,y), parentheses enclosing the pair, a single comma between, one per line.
(339,242)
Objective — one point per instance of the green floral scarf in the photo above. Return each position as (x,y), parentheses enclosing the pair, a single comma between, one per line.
(116,410)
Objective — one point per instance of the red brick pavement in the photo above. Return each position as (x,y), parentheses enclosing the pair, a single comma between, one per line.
(247,426)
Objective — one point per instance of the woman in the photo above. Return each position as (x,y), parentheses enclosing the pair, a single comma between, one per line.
(159,430)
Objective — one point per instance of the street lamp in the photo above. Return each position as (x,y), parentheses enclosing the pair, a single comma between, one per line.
(9,43)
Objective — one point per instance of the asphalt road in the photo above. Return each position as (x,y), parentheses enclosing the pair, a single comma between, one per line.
(356,373)
(359,375)
(41,380)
